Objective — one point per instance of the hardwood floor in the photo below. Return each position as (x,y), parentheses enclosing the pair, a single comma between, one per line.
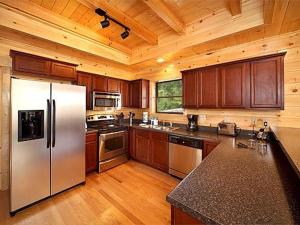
(131,193)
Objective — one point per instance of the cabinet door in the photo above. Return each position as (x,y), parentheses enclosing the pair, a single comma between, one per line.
(113,85)
(160,151)
(142,146)
(208,88)
(100,83)
(125,93)
(267,83)
(63,70)
(85,79)
(189,82)
(135,94)
(132,142)
(30,64)
(235,85)
(91,153)
(208,147)
(145,94)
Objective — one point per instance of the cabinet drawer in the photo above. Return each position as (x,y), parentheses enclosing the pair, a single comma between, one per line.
(91,137)
(142,133)
(159,136)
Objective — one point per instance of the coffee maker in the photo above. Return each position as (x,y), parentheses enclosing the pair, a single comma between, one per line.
(192,122)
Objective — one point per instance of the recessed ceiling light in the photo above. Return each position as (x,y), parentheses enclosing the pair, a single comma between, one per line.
(160,60)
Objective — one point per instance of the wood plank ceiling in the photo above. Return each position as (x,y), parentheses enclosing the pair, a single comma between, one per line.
(183,27)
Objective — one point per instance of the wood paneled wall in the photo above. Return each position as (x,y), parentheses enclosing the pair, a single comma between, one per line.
(289,117)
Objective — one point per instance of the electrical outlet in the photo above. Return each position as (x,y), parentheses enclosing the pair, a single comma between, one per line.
(226,119)
(202,117)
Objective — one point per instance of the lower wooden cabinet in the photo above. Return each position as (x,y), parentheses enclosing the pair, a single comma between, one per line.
(178,217)
(159,149)
(208,147)
(150,147)
(91,152)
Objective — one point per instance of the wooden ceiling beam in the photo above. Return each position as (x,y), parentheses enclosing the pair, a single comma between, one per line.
(23,16)
(235,7)
(135,27)
(268,11)
(162,10)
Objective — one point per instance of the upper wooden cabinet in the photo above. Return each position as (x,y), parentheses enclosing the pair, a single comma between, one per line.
(63,70)
(189,82)
(99,83)
(113,85)
(85,79)
(267,83)
(254,83)
(125,93)
(234,85)
(139,93)
(31,65)
(208,88)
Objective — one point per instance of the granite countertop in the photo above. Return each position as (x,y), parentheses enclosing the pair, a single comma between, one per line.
(289,139)
(240,186)
(91,130)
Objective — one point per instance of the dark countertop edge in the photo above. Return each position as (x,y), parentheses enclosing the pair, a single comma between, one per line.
(291,161)
(91,130)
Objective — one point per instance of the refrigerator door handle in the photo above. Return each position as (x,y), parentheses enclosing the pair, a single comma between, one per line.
(54,123)
(48,123)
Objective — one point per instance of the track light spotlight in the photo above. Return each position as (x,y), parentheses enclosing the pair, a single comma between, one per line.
(105,23)
(125,34)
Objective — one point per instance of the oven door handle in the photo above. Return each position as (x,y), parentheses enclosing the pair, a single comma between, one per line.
(114,134)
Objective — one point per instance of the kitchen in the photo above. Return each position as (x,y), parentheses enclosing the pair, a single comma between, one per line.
(149,112)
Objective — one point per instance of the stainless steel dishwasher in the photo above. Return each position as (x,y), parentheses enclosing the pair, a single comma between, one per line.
(184,155)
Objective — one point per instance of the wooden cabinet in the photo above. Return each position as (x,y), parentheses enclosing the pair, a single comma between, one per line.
(91,152)
(142,146)
(208,147)
(85,79)
(99,83)
(159,148)
(139,94)
(113,85)
(29,64)
(63,70)
(208,88)
(189,82)
(125,93)
(178,217)
(256,83)
(267,83)
(32,65)
(151,148)
(235,85)
(132,142)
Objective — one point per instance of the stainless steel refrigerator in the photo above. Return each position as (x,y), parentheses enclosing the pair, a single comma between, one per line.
(47,140)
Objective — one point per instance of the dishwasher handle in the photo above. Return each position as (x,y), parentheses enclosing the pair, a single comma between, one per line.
(186,141)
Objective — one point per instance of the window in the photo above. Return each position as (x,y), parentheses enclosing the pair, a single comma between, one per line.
(169,96)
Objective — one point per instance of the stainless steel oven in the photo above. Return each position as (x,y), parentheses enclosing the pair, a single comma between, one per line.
(113,149)
(106,101)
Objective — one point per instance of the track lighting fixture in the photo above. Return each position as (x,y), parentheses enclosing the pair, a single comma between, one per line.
(125,34)
(106,22)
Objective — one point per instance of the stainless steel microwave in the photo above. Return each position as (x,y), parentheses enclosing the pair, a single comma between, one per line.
(106,101)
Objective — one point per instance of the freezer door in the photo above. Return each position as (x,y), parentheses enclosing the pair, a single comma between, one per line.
(68,136)
(30,157)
